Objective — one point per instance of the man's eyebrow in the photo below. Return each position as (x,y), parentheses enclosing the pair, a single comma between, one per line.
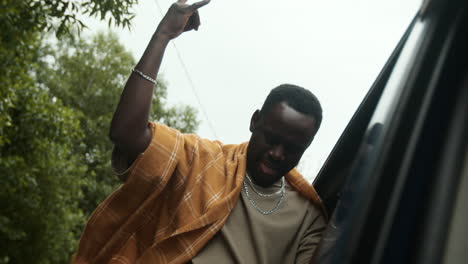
(271,134)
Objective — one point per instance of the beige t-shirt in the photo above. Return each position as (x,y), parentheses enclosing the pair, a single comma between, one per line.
(290,235)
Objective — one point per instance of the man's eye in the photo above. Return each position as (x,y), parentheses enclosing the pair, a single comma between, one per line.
(269,139)
(294,149)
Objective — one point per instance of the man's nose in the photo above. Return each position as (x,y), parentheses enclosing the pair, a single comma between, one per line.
(277,152)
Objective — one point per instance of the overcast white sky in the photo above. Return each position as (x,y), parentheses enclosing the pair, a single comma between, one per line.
(245,48)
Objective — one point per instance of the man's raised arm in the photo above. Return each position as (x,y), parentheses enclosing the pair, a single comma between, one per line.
(129,131)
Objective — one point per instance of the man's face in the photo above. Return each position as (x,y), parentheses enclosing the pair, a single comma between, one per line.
(279,138)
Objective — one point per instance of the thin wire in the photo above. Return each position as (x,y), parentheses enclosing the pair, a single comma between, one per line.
(189,78)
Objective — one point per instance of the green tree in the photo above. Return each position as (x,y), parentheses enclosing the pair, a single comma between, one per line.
(54,151)
(40,166)
(21,25)
(19,18)
(88,75)
(41,180)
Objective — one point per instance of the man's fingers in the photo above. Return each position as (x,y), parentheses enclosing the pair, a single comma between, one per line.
(193,22)
(196,20)
(199,4)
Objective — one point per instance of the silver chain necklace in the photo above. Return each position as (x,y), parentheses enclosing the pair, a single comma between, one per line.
(252,185)
(281,192)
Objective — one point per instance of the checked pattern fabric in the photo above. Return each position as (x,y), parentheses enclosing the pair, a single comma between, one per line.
(177,196)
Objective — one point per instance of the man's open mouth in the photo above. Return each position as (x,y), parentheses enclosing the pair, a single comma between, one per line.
(267,169)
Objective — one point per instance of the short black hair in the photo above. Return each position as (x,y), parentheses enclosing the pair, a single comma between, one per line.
(298,98)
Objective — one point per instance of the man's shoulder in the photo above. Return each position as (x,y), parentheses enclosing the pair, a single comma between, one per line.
(307,191)
(297,197)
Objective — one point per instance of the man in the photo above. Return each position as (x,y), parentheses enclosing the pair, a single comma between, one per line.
(187,199)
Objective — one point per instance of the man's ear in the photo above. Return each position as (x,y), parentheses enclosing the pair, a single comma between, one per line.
(254,120)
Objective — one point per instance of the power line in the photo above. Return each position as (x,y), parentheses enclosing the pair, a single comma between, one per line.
(189,78)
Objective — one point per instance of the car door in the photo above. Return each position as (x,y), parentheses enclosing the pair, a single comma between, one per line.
(392,181)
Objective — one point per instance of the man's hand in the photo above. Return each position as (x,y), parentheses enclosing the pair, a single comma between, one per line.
(179,18)
(129,128)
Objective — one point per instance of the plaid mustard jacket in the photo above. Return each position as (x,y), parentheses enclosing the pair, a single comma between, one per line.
(177,196)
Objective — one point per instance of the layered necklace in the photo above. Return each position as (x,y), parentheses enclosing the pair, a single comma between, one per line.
(280,193)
